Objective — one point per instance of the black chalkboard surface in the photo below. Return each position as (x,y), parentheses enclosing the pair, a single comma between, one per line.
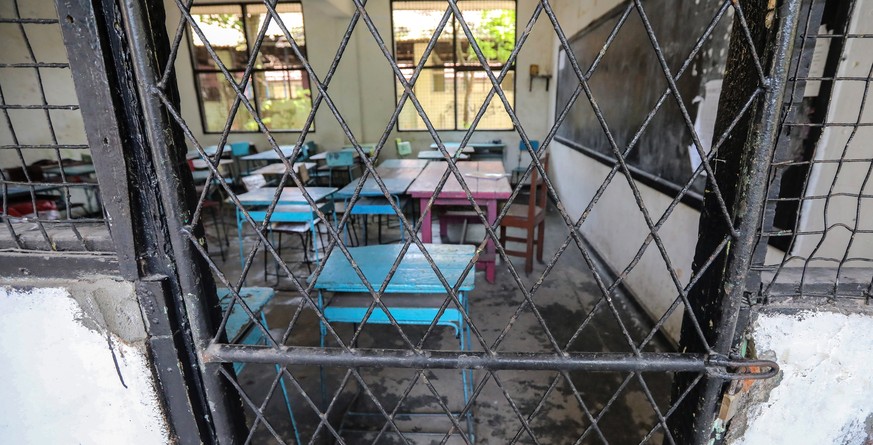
(629,80)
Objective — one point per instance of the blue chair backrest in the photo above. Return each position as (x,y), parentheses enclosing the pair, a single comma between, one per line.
(535,144)
(308,149)
(342,158)
(240,148)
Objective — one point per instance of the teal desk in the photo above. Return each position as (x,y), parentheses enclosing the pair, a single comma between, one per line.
(413,296)
(241,330)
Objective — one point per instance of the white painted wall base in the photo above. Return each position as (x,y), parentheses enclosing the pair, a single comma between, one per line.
(825,395)
(59,379)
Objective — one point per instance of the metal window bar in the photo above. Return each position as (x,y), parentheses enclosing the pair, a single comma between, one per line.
(712,364)
(42,227)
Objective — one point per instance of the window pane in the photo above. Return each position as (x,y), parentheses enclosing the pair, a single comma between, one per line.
(435,89)
(473,87)
(276,51)
(284,97)
(492,24)
(414,25)
(223,28)
(217,96)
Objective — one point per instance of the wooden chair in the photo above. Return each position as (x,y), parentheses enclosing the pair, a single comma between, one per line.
(530,217)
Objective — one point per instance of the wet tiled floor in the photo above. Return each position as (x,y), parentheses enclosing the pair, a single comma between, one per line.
(556,408)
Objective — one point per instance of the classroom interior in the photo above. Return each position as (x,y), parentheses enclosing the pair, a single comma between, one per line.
(513,193)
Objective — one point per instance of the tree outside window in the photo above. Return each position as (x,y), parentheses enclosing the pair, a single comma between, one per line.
(453,85)
(278,88)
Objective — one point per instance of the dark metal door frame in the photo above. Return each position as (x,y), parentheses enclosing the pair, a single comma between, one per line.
(121,51)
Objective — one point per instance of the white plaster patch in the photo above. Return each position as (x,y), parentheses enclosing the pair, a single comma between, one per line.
(59,380)
(826,391)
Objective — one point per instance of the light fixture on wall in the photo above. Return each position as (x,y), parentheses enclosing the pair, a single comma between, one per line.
(535,74)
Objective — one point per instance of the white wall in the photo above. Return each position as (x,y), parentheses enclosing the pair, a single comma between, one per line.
(615,227)
(824,394)
(363,87)
(837,142)
(60,383)
(21,87)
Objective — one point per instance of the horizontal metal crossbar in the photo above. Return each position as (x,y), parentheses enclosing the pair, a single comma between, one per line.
(525,361)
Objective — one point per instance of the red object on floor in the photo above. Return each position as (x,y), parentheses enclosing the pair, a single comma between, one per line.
(25,208)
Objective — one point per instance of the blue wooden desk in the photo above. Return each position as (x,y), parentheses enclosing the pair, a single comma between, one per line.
(271,155)
(241,330)
(373,201)
(477,150)
(413,296)
(291,207)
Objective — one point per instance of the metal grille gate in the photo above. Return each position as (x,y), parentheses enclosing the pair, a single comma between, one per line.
(123,62)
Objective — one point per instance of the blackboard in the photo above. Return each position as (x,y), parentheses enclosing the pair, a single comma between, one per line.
(629,80)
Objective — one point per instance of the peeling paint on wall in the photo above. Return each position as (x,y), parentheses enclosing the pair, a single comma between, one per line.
(825,391)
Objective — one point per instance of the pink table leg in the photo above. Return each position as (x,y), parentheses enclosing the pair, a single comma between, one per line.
(489,246)
(426,225)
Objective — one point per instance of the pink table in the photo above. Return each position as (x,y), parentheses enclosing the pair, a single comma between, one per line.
(486,192)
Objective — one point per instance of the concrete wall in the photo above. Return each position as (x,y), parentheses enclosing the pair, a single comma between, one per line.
(75,367)
(824,393)
(363,86)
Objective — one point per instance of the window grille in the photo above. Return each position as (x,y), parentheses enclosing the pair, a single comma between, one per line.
(729,267)
(50,197)
(819,197)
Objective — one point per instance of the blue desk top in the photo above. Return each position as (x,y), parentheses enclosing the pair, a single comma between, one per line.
(255,297)
(271,155)
(290,195)
(396,180)
(414,274)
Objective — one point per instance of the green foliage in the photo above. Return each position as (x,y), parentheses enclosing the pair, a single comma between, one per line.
(283,114)
(495,35)
(227,21)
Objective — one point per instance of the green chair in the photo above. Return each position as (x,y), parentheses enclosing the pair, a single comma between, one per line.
(404,148)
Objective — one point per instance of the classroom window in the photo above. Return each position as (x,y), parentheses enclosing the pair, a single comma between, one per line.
(453,86)
(278,88)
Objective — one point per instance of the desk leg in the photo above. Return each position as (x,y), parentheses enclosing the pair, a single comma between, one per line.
(489,246)
(239,235)
(426,229)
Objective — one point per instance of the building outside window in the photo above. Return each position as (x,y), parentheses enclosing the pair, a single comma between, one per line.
(279,87)
(453,86)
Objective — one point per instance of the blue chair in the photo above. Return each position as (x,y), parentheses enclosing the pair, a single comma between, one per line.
(241,330)
(518,171)
(343,160)
(308,149)
(378,206)
(238,150)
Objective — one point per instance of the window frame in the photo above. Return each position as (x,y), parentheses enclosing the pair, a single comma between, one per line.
(196,72)
(457,68)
